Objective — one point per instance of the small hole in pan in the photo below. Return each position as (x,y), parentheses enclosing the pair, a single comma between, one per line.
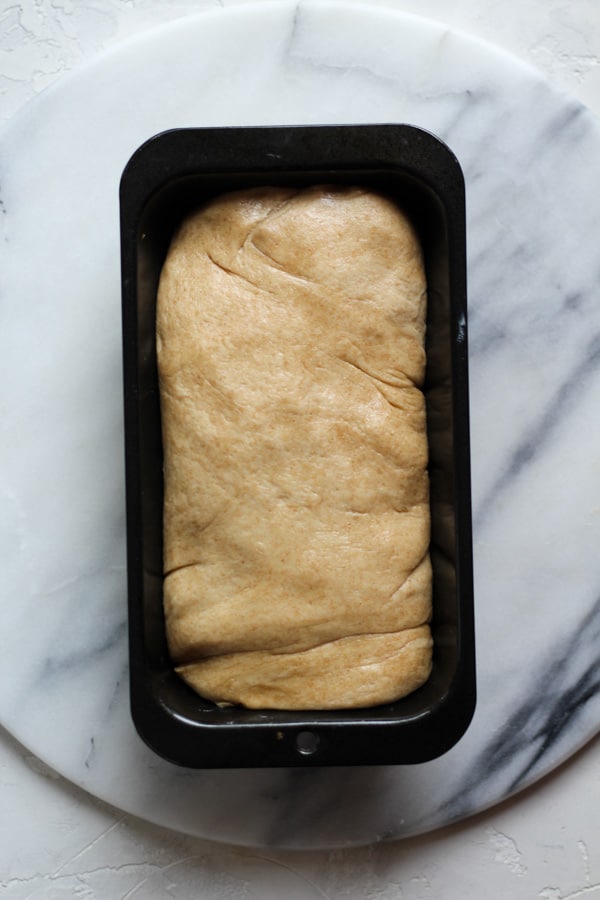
(307,742)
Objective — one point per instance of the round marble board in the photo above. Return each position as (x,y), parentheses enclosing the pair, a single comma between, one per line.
(531,158)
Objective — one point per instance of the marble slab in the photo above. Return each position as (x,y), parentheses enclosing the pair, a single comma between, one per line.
(531,158)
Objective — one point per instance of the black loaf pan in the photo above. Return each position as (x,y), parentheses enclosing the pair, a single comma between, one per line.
(168,176)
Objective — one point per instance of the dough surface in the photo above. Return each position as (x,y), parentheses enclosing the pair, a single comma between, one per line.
(290,341)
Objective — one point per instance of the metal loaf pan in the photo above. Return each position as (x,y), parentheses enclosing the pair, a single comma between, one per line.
(167,177)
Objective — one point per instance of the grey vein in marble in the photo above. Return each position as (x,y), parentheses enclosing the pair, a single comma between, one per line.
(564,687)
(534,439)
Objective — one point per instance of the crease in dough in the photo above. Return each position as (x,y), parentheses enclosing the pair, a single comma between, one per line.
(290,342)
(350,672)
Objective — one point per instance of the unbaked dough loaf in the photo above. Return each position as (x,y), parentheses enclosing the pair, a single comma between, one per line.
(290,339)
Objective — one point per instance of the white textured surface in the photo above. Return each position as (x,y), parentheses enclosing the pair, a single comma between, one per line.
(59,843)
(570,834)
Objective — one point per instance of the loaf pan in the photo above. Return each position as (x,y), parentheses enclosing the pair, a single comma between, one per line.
(167,177)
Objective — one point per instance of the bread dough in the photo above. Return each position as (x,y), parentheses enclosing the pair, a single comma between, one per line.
(290,340)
